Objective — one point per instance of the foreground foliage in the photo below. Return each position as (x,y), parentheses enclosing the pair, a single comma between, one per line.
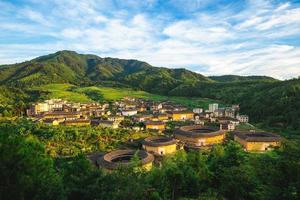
(29,171)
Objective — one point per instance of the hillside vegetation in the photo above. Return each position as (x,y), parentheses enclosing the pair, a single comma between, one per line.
(39,162)
(233,78)
(267,100)
(78,69)
(101,93)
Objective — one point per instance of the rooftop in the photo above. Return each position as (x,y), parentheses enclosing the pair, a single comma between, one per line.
(182,112)
(258,136)
(154,123)
(195,131)
(157,141)
(77,121)
(119,158)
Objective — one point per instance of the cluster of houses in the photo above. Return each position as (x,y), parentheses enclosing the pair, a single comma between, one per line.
(207,127)
(143,114)
(60,112)
(154,115)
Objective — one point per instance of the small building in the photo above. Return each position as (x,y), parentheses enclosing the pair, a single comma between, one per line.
(220,112)
(141,108)
(162,111)
(53,122)
(236,107)
(197,136)
(155,106)
(179,108)
(257,141)
(37,109)
(155,125)
(212,107)
(106,123)
(228,120)
(160,145)
(61,114)
(243,118)
(198,110)
(142,117)
(130,106)
(199,121)
(123,158)
(213,119)
(130,112)
(229,112)
(160,117)
(55,104)
(117,118)
(208,114)
(182,115)
(77,122)
(227,126)
(137,128)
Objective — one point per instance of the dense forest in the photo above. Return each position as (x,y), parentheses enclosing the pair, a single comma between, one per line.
(255,94)
(29,171)
(274,103)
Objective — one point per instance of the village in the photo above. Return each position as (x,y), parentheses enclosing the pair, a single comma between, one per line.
(193,128)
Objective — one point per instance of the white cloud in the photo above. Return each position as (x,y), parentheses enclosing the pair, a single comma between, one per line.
(36,17)
(283,18)
(245,42)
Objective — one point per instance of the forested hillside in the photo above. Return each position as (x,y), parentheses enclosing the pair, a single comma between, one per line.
(32,168)
(78,69)
(274,102)
(232,78)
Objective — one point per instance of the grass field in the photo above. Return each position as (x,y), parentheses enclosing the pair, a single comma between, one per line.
(247,127)
(89,94)
(63,91)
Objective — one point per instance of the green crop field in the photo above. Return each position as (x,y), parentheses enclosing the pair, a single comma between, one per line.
(99,93)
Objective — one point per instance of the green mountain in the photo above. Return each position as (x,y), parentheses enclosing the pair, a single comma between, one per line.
(267,100)
(235,78)
(79,69)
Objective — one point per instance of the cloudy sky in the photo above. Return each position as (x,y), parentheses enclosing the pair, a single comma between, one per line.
(212,37)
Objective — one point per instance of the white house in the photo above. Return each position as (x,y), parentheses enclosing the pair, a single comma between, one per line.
(197,110)
(129,112)
(212,107)
(243,118)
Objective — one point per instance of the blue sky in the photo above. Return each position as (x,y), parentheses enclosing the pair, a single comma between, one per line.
(212,37)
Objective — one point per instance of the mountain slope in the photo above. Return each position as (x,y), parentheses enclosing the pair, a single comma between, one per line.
(236,78)
(274,103)
(79,69)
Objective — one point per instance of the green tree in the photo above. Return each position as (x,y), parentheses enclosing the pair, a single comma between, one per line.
(26,172)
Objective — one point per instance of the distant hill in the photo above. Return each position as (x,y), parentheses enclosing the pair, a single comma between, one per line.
(236,78)
(83,69)
(79,69)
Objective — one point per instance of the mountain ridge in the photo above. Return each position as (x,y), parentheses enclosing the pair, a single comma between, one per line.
(70,67)
(236,78)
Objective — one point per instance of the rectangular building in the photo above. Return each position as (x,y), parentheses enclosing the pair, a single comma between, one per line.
(257,141)
(212,107)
